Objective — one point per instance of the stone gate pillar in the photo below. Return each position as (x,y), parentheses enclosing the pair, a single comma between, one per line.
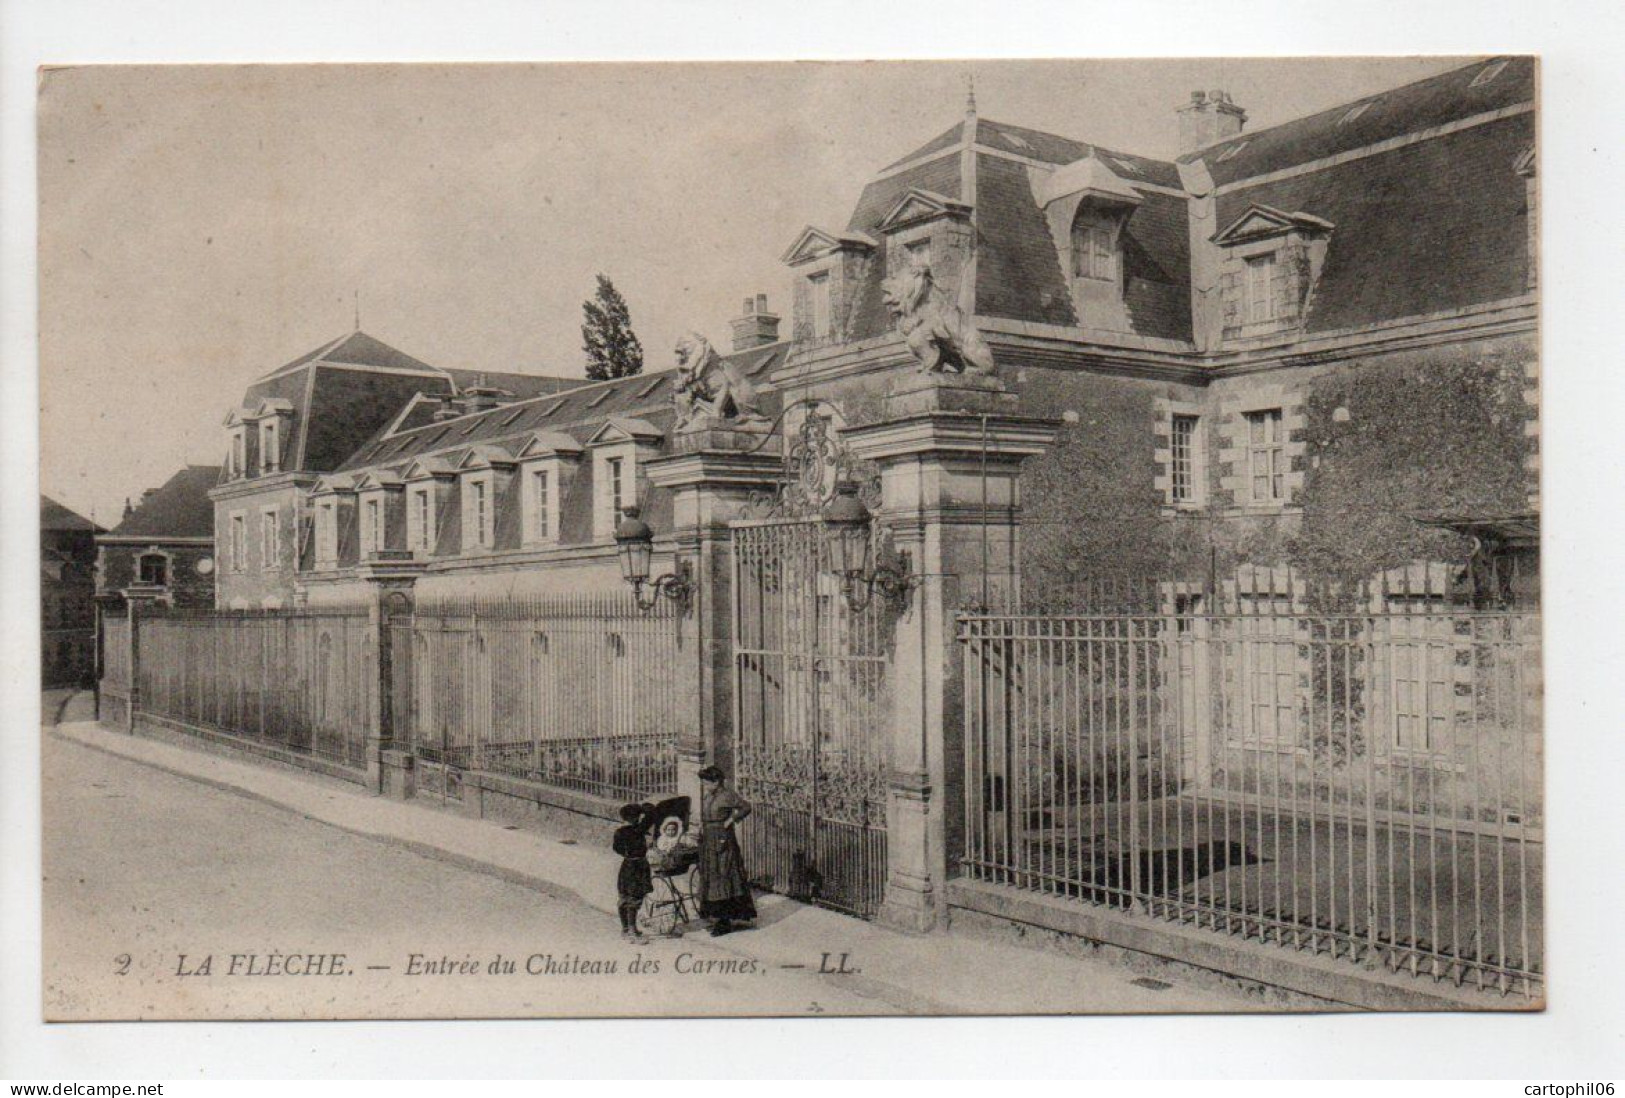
(712,474)
(949,449)
(391,576)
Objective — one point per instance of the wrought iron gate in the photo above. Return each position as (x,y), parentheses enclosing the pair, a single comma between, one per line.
(811,713)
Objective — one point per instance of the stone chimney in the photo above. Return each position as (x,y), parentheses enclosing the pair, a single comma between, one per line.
(1209,117)
(755,327)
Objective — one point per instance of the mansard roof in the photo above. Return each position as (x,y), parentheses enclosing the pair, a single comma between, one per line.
(641,403)
(1048,148)
(1422,183)
(1482,87)
(1018,266)
(348,389)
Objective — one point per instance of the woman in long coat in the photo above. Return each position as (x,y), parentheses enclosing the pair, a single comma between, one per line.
(724,888)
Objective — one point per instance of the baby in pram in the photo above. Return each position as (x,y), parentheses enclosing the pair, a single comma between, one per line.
(673,854)
(674,850)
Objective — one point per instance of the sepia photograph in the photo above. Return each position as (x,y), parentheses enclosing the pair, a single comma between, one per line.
(791,539)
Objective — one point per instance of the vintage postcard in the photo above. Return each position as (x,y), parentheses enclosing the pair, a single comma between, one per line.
(927,538)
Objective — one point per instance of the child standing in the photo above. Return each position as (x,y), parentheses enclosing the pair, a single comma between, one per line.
(632,883)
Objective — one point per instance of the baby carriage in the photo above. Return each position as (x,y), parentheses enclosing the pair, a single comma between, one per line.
(674,871)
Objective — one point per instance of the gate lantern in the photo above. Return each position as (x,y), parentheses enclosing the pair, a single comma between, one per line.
(635,546)
(847,530)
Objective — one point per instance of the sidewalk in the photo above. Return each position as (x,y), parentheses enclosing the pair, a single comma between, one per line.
(931,974)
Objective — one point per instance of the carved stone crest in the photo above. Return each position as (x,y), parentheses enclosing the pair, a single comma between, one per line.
(937,329)
(711,390)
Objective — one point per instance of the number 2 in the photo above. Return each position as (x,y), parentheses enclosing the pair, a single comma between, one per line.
(123,962)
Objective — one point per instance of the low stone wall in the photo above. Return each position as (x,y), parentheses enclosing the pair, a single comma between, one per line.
(1277,978)
(221,743)
(483,795)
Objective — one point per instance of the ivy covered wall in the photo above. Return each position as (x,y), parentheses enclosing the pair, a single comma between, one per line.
(1439,431)
(1426,432)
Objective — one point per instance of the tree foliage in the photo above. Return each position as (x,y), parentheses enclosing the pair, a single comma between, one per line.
(612,347)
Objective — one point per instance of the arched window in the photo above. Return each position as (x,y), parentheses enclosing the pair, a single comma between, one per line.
(1094,245)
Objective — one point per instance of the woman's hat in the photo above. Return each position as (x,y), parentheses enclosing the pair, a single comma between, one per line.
(712,774)
(632,813)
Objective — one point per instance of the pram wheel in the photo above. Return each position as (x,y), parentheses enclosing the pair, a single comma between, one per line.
(669,906)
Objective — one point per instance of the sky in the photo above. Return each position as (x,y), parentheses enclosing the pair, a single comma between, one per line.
(202,225)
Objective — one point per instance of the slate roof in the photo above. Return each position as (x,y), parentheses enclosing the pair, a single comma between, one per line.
(1430,226)
(520,385)
(1434,101)
(346,390)
(179,509)
(578,412)
(1047,147)
(57,519)
(358,349)
(1018,267)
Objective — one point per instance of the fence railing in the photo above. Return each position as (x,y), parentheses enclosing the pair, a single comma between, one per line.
(583,691)
(1357,777)
(305,680)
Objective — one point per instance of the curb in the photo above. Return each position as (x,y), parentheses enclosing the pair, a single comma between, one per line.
(899,997)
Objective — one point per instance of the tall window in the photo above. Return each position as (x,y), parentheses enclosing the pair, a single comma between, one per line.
(327,533)
(1094,247)
(239,453)
(238,543)
(375,525)
(1261,288)
(482,514)
(1266,458)
(543,505)
(819,284)
(270,541)
(1183,447)
(422,522)
(617,487)
(269,450)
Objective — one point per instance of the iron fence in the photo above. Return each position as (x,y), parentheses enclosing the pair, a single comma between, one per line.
(1354,773)
(584,692)
(302,680)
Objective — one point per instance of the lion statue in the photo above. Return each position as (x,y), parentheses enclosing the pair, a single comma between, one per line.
(709,387)
(937,329)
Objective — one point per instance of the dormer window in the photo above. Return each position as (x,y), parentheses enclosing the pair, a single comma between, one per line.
(239,452)
(1270,263)
(327,535)
(420,522)
(1260,288)
(481,522)
(1094,245)
(818,285)
(270,446)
